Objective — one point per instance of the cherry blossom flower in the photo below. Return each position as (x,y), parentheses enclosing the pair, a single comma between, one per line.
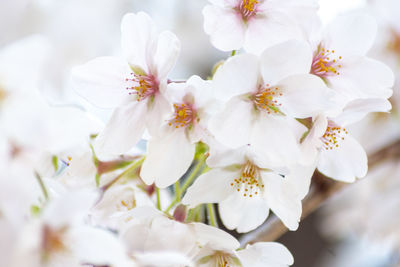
(155,240)
(60,238)
(193,105)
(339,58)
(256,24)
(340,156)
(219,248)
(259,93)
(134,86)
(246,187)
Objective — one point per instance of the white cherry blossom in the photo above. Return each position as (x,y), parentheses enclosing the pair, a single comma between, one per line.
(340,156)
(264,96)
(219,248)
(339,58)
(246,187)
(173,147)
(256,24)
(133,86)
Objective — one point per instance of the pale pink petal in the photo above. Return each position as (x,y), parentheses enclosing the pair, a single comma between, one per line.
(225,27)
(345,162)
(102,81)
(123,130)
(168,158)
(286,59)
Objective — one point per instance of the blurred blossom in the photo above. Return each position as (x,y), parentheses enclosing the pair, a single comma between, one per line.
(122,127)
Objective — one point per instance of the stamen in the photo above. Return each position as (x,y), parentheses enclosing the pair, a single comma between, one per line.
(249,182)
(247,8)
(325,63)
(143,86)
(222,260)
(333,136)
(267,99)
(184,115)
(126,204)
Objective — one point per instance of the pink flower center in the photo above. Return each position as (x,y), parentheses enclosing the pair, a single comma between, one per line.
(184,115)
(249,182)
(248,8)
(267,99)
(325,63)
(333,136)
(142,86)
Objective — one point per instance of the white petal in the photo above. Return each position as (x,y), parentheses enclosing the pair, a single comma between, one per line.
(286,59)
(283,202)
(97,246)
(220,156)
(243,213)
(211,187)
(268,30)
(275,135)
(225,27)
(345,162)
(263,254)
(166,54)
(350,34)
(214,237)
(362,77)
(232,127)
(102,81)
(238,75)
(137,36)
(312,143)
(358,109)
(168,158)
(298,179)
(305,96)
(123,130)
(158,112)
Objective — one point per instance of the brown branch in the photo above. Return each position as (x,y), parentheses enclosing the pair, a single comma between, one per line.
(321,189)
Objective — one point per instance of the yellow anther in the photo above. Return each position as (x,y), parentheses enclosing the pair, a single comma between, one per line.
(249,4)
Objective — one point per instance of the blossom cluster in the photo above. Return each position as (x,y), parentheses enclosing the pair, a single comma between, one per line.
(246,140)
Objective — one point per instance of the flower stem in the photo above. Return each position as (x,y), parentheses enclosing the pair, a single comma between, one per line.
(131,168)
(188,182)
(42,186)
(211,215)
(158,198)
(233,53)
(193,175)
(178,191)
